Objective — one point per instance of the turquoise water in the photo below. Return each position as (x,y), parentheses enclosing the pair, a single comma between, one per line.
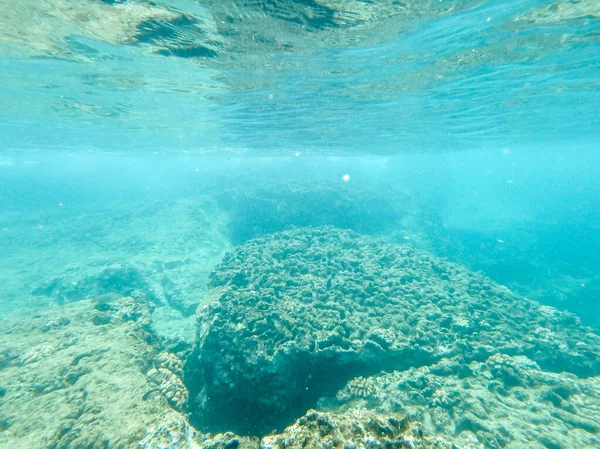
(359,77)
(218,216)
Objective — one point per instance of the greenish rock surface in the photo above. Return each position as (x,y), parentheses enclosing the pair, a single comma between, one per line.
(93,375)
(294,315)
(366,361)
(502,402)
(350,429)
(90,374)
(353,429)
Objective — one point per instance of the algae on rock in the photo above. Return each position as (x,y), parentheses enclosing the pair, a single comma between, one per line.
(75,376)
(502,402)
(298,313)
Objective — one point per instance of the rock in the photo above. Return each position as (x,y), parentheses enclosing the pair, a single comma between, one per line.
(110,283)
(353,429)
(296,314)
(170,386)
(81,385)
(173,432)
(503,402)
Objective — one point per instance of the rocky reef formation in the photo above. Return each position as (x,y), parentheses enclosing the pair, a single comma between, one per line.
(354,429)
(315,430)
(554,264)
(294,315)
(162,251)
(503,402)
(332,339)
(83,376)
(93,375)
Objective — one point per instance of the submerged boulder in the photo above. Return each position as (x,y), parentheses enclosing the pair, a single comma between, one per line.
(294,315)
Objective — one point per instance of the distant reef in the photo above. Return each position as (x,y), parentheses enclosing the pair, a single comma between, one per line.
(267,206)
(310,338)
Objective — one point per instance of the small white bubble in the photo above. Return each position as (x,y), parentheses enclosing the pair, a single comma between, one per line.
(270,96)
(197,170)
(297,153)
(500,241)
(60,204)
(346,178)
(488,19)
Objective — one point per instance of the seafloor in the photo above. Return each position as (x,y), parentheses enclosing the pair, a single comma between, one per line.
(194,324)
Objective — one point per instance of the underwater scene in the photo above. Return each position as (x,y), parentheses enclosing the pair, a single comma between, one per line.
(299,224)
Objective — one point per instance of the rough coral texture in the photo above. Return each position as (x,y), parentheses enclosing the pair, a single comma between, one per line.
(170,361)
(502,402)
(295,314)
(83,383)
(173,432)
(170,386)
(353,430)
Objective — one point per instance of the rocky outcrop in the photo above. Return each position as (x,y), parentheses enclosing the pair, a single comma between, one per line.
(502,402)
(296,314)
(76,377)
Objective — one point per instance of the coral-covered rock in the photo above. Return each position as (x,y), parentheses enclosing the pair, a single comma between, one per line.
(353,429)
(502,402)
(295,314)
(74,377)
(170,386)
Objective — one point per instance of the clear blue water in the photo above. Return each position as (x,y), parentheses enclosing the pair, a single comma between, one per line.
(381,77)
(140,142)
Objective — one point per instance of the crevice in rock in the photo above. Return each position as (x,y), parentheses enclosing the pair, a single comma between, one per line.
(257,411)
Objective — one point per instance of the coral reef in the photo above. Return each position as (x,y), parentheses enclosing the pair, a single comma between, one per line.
(170,386)
(119,280)
(540,261)
(297,313)
(362,387)
(353,429)
(312,338)
(504,401)
(173,432)
(81,383)
(315,430)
